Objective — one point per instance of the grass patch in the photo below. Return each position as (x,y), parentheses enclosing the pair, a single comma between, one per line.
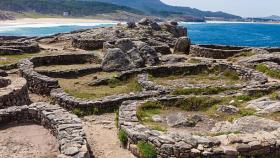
(123,137)
(265,69)
(146,150)
(10,59)
(197,91)
(242,54)
(233,75)
(79,87)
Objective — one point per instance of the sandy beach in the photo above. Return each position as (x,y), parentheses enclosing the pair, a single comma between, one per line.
(30,21)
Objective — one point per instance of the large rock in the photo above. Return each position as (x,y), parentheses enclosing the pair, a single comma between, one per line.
(136,58)
(179,120)
(182,45)
(125,44)
(248,124)
(265,105)
(116,60)
(3,73)
(150,55)
(144,21)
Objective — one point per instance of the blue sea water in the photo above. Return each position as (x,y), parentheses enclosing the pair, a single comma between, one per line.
(47,29)
(240,34)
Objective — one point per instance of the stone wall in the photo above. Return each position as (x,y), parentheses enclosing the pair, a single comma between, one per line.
(14,92)
(104,104)
(187,145)
(36,82)
(66,127)
(41,84)
(87,44)
(18,47)
(216,51)
(71,73)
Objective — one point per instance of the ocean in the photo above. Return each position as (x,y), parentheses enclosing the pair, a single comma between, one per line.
(240,34)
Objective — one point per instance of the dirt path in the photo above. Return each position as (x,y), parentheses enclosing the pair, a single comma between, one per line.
(102,137)
(27,141)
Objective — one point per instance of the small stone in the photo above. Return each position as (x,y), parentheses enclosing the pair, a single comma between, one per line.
(228,109)
(157,118)
(71,151)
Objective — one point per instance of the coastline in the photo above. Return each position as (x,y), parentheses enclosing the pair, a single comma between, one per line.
(58,21)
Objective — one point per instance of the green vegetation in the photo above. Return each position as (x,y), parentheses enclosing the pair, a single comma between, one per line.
(196,91)
(233,75)
(146,150)
(57,7)
(270,72)
(122,137)
(84,112)
(240,55)
(10,59)
(78,87)
(117,118)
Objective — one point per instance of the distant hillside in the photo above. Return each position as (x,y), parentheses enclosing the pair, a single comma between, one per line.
(272,17)
(73,7)
(156,7)
(4,15)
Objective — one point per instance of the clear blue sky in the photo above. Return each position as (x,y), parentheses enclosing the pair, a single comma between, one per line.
(245,8)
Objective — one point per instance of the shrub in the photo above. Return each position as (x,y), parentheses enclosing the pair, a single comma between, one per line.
(78,112)
(122,137)
(196,103)
(112,83)
(146,150)
(117,118)
(247,112)
(231,74)
(147,109)
(265,69)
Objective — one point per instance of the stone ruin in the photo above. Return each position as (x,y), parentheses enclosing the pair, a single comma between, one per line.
(14,47)
(242,113)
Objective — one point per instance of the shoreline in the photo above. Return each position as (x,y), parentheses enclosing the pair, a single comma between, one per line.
(42,21)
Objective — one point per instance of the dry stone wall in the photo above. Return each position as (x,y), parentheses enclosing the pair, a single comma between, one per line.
(216,51)
(13,92)
(18,47)
(42,84)
(66,127)
(187,145)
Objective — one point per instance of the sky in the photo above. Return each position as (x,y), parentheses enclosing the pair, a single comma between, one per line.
(245,8)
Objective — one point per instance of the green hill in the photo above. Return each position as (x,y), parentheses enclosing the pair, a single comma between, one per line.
(57,7)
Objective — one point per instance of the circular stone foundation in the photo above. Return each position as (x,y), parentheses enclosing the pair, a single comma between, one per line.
(13,92)
(27,140)
(259,142)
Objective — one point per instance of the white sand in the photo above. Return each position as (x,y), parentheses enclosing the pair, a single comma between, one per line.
(31,21)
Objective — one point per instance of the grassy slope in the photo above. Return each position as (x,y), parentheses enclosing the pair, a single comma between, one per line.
(57,7)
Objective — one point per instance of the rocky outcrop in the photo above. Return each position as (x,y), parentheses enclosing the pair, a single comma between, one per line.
(116,60)
(182,45)
(248,124)
(264,105)
(66,127)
